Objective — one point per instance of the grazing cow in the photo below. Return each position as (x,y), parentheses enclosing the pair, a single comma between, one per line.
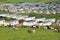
(14,27)
(31,31)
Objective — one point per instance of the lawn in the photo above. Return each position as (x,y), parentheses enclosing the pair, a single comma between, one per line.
(22,34)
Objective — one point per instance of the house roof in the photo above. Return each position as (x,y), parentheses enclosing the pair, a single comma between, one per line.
(29,18)
(40,19)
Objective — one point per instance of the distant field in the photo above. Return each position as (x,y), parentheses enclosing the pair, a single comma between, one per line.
(17,1)
(22,34)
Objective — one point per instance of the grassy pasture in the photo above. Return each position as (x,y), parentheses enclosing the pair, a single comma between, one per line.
(22,34)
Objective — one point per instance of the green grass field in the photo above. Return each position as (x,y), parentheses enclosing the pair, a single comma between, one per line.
(22,34)
(17,1)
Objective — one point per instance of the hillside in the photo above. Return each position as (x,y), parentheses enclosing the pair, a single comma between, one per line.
(18,1)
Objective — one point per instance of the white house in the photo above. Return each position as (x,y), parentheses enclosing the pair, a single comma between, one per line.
(47,12)
(8,15)
(40,19)
(20,17)
(29,18)
(12,9)
(51,20)
(12,22)
(6,23)
(54,12)
(3,15)
(11,15)
(41,11)
(32,23)
(47,22)
(58,8)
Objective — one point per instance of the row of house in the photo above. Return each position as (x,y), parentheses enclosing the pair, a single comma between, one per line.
(28,21)
(7,23)
(14,16)
(39,8)
(39,22)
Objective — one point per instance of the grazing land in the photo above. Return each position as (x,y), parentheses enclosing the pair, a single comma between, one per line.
(22,34)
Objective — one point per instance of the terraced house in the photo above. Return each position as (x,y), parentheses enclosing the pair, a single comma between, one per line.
(39,8)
